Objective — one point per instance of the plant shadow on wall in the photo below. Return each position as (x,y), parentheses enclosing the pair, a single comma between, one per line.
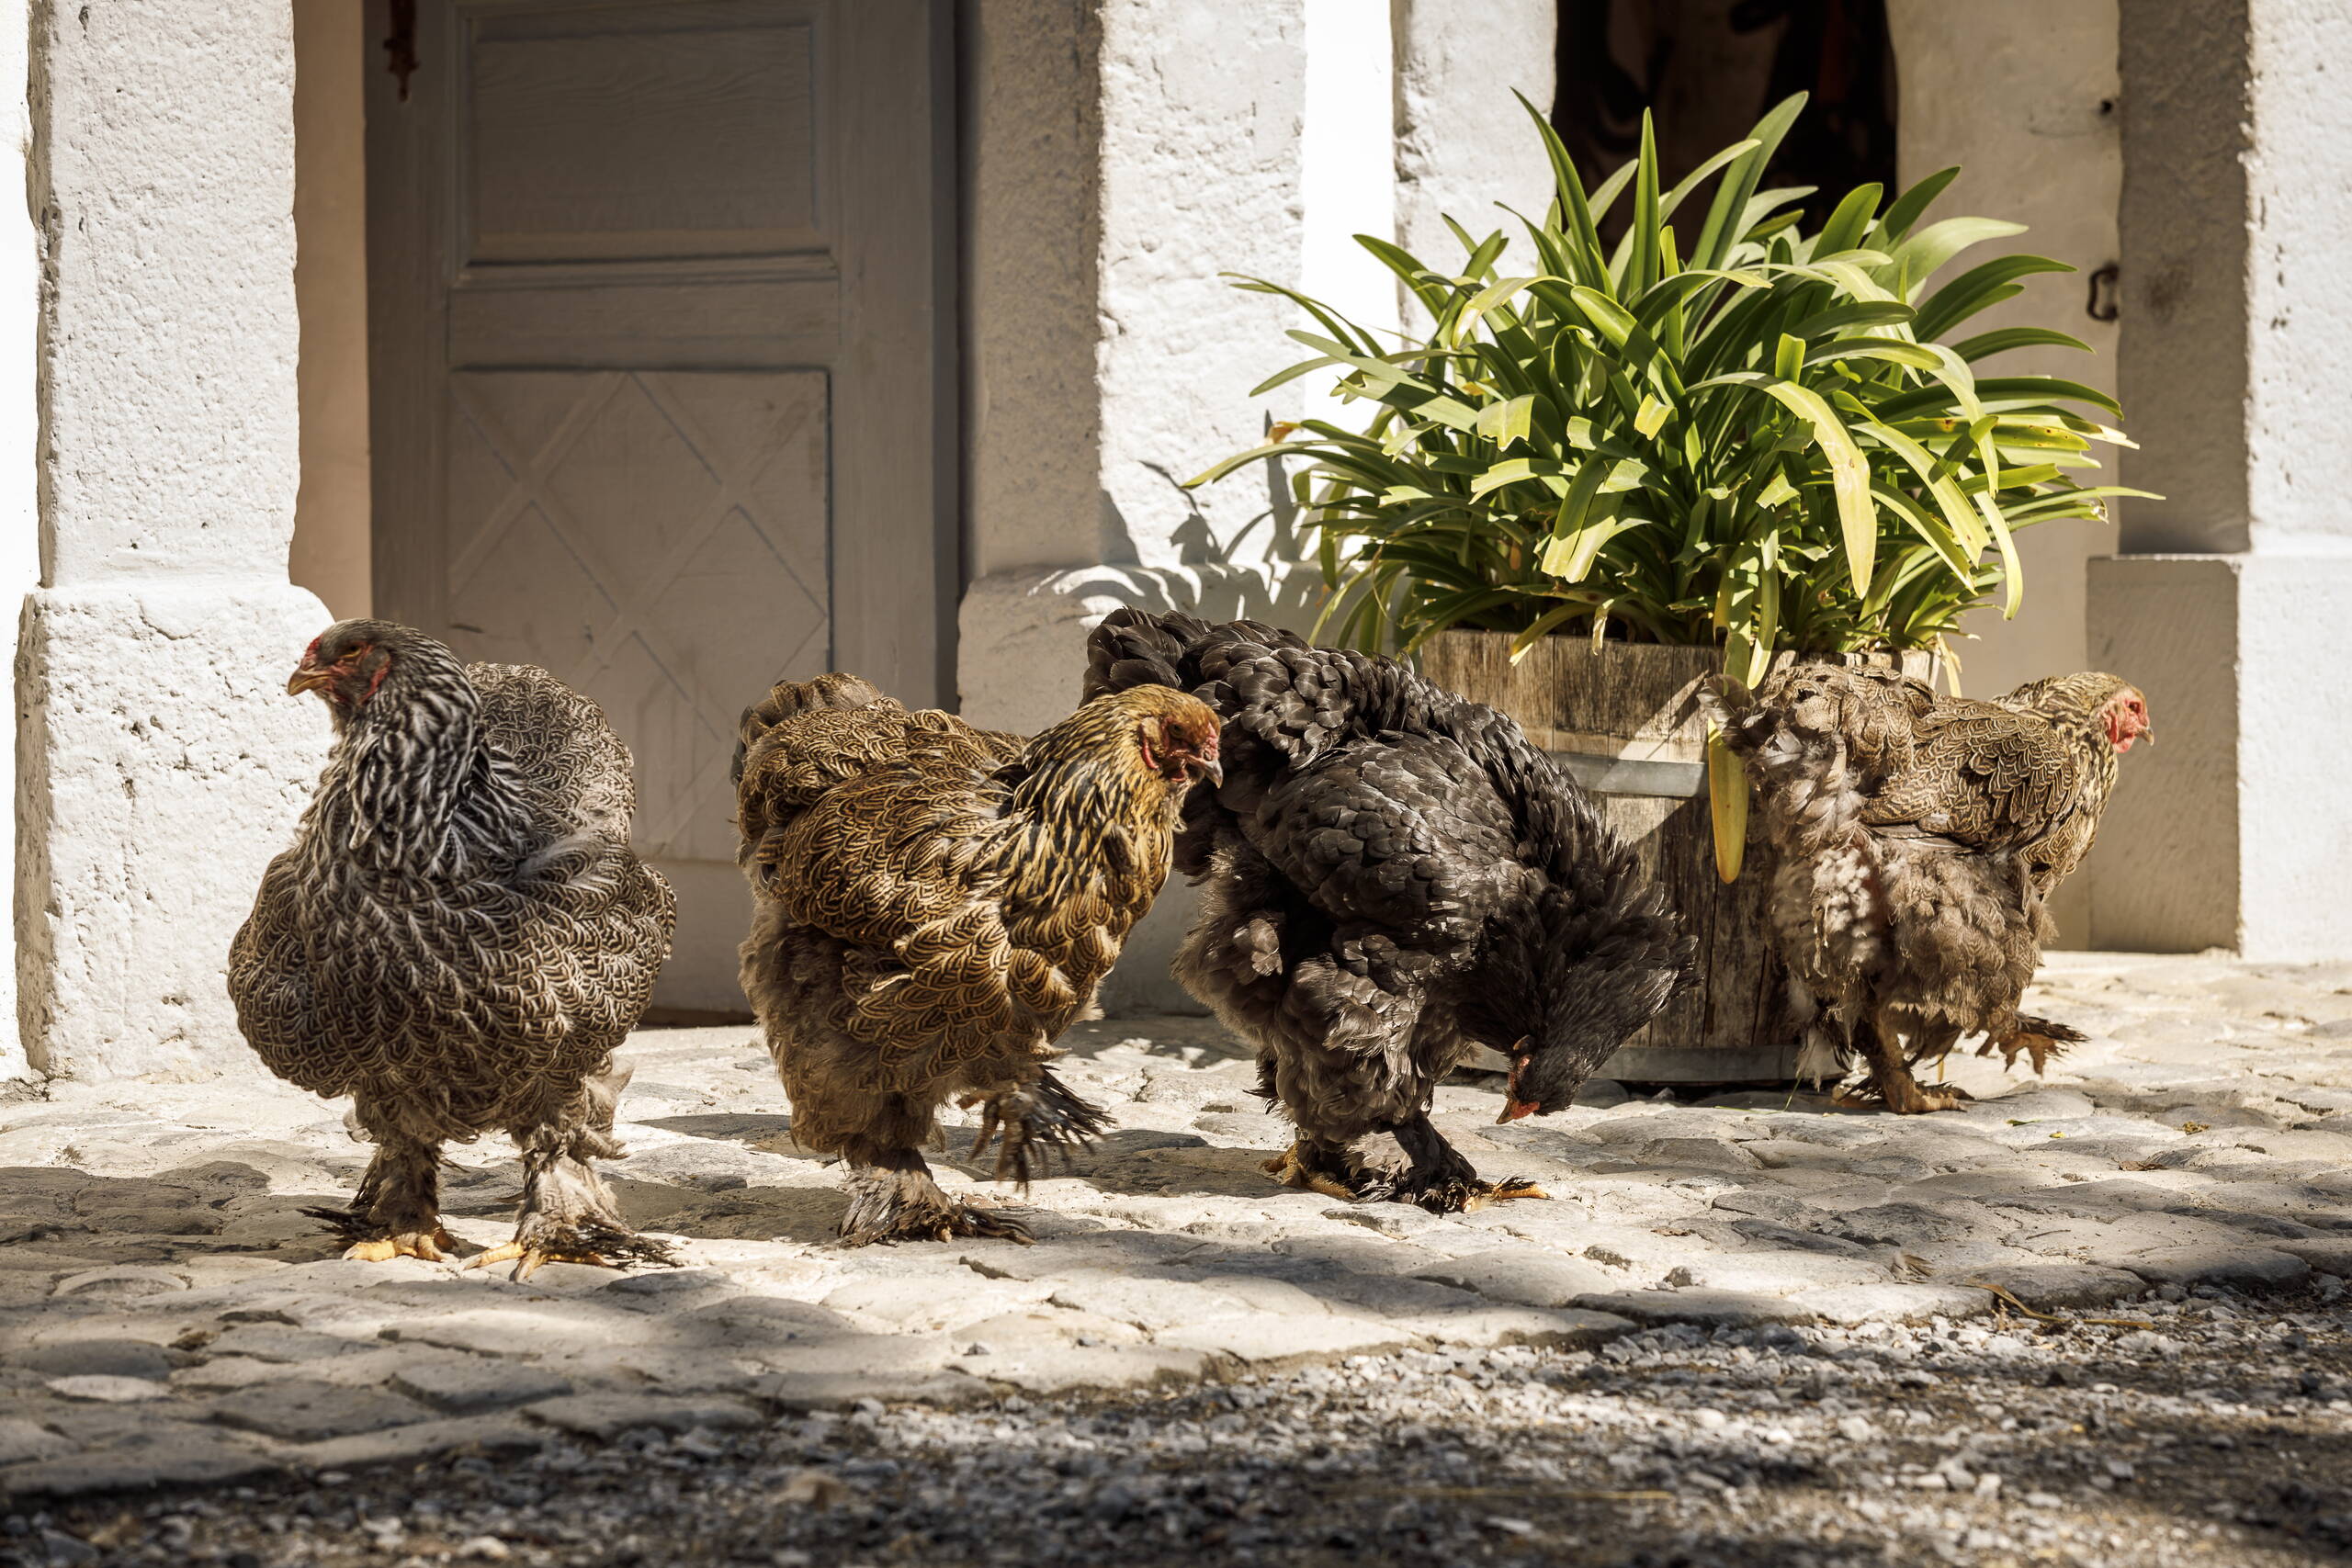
(1253,574)
(1741,433)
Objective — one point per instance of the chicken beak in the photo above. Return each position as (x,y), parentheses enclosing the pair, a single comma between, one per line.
(1211,769)
(308,678)
(1513,1107)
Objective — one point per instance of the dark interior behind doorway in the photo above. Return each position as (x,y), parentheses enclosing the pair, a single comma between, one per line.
(1708,69)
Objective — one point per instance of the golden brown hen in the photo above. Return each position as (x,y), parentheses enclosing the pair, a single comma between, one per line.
(1918,839)
(935,904)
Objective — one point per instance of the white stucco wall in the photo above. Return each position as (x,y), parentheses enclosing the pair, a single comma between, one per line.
(1462,142)
(2236,136)
(2022,97)
(19,442)
(1346,175)
(160,763)
(2298,173)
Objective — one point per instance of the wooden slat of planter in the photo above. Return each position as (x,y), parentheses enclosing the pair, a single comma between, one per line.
(1637,702)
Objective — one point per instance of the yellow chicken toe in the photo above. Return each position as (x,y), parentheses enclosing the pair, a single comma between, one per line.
(527,1259)
(426,1244)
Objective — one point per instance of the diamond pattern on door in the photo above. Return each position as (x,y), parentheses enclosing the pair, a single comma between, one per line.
(658,540)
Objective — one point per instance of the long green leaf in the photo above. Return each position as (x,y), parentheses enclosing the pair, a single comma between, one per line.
(1987,283)
(1576,213)
(1912,204)
(1717,235)
(1960,514)
(1641,268)
(2001,340)
(1850,475)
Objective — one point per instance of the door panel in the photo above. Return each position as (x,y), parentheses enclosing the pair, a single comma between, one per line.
(658,317)
(631,133)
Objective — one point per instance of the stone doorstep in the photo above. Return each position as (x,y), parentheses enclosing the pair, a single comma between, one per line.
(1042,1368)
(1266,1342)
(1704,1308)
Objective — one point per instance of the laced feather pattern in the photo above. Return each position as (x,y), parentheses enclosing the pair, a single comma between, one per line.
(461,934)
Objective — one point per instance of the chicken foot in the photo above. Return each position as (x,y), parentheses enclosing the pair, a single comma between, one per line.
(1432,1174)
(2038,1038)
(1312,1166)
(893,1198)
(1890,1075)
(398,1211)
(569,1214)
(1440,1180)
(1033,1123)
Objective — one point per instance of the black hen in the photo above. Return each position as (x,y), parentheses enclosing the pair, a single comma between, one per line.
(1393,875)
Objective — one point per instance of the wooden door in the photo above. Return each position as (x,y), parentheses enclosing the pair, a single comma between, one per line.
(659,334)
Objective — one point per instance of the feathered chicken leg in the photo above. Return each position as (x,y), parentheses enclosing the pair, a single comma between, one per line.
(893,1198)
(891,1194)
(569,1214)
(1432,1175)
(1036,1120)
(398,1211)
(1442,1182)
(1890,1074)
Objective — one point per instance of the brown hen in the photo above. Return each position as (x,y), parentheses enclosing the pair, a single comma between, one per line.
(935,904)
(1918,841)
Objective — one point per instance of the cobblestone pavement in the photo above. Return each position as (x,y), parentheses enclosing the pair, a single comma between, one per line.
(168,1318)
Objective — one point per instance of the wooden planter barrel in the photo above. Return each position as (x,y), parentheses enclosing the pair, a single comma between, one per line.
(1625,720)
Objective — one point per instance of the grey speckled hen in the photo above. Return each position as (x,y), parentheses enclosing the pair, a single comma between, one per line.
(1392,874)
(458,938)
(1919,838)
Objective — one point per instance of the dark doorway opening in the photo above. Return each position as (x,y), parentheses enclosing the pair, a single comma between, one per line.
(1707,69)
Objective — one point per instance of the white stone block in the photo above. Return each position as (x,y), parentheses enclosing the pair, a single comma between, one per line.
(1462,142)
(163,765)
(2229,832)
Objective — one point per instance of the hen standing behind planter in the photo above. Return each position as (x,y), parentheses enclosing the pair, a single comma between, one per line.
(1919,839)
(1751,441)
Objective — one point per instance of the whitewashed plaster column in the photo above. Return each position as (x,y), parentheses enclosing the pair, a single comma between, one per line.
(160,762)
(2231,603)
(1121,155)
(19,432)
(1462,142)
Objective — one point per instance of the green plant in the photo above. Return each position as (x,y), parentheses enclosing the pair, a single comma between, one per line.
(1767,444)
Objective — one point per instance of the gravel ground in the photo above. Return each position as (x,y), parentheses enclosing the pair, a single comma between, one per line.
(2215,1434)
